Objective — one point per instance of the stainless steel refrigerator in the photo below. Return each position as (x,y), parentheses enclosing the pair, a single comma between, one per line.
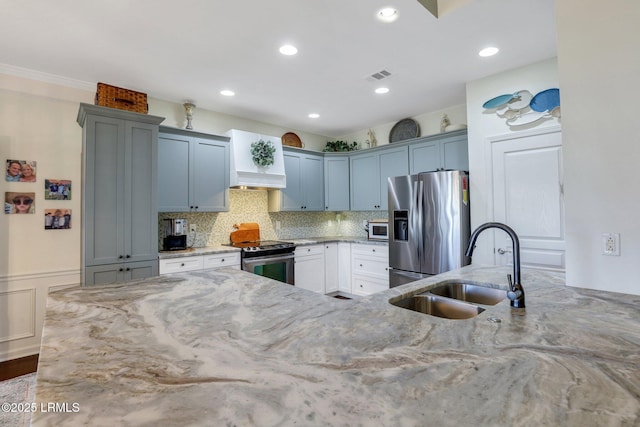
(429,224)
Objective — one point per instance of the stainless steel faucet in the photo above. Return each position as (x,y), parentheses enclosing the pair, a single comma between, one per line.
(516,291)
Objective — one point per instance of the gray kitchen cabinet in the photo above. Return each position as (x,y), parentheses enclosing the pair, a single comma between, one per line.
(369,173)
(305,183)
(336,183)
(439,152)
(119,213)
(116,273)
(193,172)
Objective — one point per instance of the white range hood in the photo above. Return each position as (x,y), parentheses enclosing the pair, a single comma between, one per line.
(244,172)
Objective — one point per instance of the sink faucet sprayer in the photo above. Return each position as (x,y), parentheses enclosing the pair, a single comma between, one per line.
(516,291)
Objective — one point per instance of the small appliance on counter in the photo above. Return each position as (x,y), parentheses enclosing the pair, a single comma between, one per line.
(175,231)
(378,229)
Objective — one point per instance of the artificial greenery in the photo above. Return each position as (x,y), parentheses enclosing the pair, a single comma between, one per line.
(262,152)
(334,146)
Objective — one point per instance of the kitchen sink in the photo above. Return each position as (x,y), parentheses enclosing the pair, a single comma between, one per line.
(438,306)
(470,293)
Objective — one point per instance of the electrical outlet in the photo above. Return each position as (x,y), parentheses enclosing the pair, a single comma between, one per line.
(611,244)
(193,228)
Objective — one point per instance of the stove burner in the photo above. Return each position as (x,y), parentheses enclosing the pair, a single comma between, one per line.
(264,247)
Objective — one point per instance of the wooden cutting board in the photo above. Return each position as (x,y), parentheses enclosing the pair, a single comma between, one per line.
(246,232)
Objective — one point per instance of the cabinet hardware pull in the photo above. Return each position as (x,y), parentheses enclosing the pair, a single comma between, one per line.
(182,265)
(120,257)
(222,260)
(128,256)
(121,269)
(128,269)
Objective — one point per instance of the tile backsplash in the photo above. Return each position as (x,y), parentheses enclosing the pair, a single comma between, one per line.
(251,206)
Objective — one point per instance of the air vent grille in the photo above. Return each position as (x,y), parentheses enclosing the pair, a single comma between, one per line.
(382,74)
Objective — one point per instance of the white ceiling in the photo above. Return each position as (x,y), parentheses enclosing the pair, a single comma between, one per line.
(189,50)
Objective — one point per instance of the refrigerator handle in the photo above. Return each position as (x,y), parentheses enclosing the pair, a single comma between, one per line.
(416,216)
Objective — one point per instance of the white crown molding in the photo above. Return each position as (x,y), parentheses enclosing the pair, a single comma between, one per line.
(46,77)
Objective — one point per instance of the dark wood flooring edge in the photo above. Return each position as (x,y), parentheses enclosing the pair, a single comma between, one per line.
(18,367)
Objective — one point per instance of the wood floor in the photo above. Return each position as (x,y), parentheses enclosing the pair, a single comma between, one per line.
(18,367)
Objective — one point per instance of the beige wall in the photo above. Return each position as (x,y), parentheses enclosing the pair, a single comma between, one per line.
(599,67)
(429,125)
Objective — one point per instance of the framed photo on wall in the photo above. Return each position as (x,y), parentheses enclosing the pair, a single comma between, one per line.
(57,219)
(57,189)
(20,170)
(19,202)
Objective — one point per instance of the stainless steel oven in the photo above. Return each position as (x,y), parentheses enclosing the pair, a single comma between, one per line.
(277,267)
(272,259)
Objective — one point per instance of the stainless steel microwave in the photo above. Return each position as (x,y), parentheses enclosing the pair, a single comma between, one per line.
(378,229)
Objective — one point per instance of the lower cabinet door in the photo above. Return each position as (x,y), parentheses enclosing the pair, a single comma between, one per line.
(309,271)
(179,265)
(368,285)
(118,273)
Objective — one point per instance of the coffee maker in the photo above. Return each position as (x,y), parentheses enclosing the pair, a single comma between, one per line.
(175,232)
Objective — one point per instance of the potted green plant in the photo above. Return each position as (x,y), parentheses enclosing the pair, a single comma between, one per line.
(336,146)
(262,153)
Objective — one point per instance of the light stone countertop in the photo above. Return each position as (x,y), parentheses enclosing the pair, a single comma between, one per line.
(228,348)
(218,249)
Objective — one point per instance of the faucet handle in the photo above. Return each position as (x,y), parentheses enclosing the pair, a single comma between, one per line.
(513,293)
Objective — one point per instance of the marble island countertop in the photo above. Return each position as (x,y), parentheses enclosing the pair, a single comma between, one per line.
(227,348)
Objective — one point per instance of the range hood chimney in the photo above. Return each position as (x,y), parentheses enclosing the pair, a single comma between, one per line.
(244,172)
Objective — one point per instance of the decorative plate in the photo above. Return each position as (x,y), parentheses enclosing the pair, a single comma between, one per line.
(292,140)
(499,101)
(546,100)
(403,130)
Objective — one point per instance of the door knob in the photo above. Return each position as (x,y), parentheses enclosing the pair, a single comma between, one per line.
(503,251)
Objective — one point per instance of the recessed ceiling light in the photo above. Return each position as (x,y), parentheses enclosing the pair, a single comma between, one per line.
(388,14)
(288,49)
(488,51)
(227,92)
(382,90)
(314,115)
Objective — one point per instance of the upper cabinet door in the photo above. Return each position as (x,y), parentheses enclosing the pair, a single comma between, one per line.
(365,182)
(336,183)
(140,195)
(424,157)
(173,173)
(103,190)
(210,175)
(455,153)
(292,195)
(393,162)
(313,178)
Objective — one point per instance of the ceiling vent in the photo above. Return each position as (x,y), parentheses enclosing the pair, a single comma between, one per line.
(380,75)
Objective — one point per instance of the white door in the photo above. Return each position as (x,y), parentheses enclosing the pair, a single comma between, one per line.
(528,196)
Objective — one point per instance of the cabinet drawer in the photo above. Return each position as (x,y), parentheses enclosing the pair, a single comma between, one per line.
(367,286)
(379,251)
(176,265)
(229,259)
(309,250)
(369,266)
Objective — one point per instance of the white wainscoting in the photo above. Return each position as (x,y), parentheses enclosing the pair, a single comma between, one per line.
(23,301)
